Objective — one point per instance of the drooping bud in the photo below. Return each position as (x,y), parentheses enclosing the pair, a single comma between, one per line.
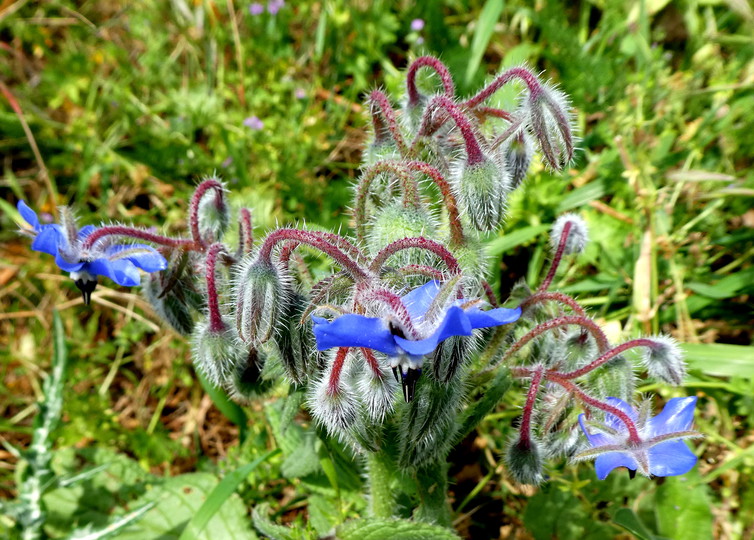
(664,360)
(174,296)
(482,192)
(449,356)
(525,463)
(216,352)
(395,222)
(518,153)
(377,391)
(246,382)
(295,340)
(550,121)
(214,216)
(260,294)
(331,402)
(614,379)
(578,234)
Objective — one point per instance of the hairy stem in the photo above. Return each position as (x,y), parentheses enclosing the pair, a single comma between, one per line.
(557,258)
(474,153)
(431,62)
(196,199)
(130,232)
(415,243)
(380,102)
(607,356)
(535,87)
(216,323)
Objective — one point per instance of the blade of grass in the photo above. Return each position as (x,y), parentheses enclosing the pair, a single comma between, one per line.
(220,494)
(485,26)
(720,359)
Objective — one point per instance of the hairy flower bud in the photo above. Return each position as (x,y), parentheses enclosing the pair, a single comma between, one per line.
(332,403)
(376,392)
(518,153)
(578,234)
(525,463)
(449,356)
(549,118)
(173,296)
(664,360)
(260,291)
(295,340)
(245,382)
(216,353)
(482,192)
(214,217)
(615,379)
(395,222)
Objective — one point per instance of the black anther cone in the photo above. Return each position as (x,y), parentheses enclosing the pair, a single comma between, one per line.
(409,383)
(395,374)
(86,288)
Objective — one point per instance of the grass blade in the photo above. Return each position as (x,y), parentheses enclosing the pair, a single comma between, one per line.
(485,26)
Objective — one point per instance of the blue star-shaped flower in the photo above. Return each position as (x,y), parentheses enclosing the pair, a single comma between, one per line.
(661,451)
(385,335)
(118,262)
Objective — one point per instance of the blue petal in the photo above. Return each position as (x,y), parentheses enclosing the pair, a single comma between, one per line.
(122,272)
(607,462)
(352,330)
(85,231)
(455,323)
(671,458)
(67,266)
(149,259)
(48,239)
(492,317)
(613,421)
(595,439)
(677,415)
(417,302)
(28,214)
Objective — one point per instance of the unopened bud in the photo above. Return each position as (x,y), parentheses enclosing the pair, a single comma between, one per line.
(377,393)
(295,340)
(173,296)
(664,360)
(518,153)
(615,379)
(525,463)
(578,234)
(260,294)
(448,357)
(482,189)
(214,217)
(245,382)
(396,222)
(472,258)
(216,353)
(333,405)
(550,121)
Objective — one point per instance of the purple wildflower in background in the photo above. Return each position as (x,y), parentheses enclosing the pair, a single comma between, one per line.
(273,6)
(300,93)
(661,451)
(417,25)
(256,9)
(254,123)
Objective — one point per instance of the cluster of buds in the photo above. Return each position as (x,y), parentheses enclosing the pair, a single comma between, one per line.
(392,344)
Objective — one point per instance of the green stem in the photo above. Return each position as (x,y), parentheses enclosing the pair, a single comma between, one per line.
(432,484)
(381,471)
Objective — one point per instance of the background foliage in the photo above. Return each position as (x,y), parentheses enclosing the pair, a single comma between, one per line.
(120,107)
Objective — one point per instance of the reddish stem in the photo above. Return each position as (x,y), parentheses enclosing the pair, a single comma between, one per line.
(422,270)
(196,198)
(372,362)
(216,324)
(482,113)
(379,100)
(337,367)
(535,87)
(416,243)
(490,294)
(531,396)
(474,153)
(609,355)
(440,69)
(316,241)
(120,230)
(557,258)
(545,296)
(454,219)
(246,231)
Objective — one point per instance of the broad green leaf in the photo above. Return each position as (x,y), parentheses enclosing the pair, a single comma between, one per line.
(627,518)
(323,513)
(682,507)
(495,392)
(583,195)
(720,359)
(220,495)
(485,26)
(116,525)
(392,529)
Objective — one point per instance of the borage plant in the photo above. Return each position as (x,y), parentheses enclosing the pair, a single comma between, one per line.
(402,348)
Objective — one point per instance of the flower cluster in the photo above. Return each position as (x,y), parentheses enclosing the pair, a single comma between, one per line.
(407,293)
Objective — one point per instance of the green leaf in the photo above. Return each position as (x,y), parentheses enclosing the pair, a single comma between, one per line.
(720,359)
(323,513)
(392,529)
(263,523)
(627,518)
(116,525)
(682,506)
(220,494)
(485,26)
(495,392)
(505,243)
(583,195)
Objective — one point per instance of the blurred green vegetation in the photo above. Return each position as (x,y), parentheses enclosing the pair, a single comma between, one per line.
(131,103)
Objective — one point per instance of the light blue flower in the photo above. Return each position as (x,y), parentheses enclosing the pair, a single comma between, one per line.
(661,451)
(119,262)
(387,335)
